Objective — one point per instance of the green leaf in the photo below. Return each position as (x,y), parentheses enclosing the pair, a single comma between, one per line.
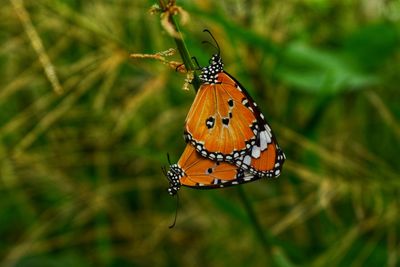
(372,45)
(320,71)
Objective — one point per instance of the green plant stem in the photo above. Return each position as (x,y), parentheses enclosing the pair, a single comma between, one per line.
(183,51)
(265,238)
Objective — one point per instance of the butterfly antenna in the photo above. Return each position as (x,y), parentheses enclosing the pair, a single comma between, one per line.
(169,160)
(176,212)
(215,41)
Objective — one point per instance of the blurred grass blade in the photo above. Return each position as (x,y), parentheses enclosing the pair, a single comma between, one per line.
(37,45)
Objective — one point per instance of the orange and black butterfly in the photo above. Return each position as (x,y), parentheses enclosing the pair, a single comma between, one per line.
(225,124)
(193,170)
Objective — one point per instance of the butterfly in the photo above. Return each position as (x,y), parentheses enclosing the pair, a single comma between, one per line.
(225,124)
(193,170)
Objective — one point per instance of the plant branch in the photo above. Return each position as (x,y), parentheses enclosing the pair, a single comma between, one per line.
(180,44)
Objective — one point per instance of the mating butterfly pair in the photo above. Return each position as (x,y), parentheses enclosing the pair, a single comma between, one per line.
(228,140)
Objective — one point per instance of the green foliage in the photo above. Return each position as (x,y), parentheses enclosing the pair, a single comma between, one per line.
(321,72)
(80,171)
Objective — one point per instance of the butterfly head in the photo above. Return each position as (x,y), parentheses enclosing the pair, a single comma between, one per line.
(210,73)
(174,175)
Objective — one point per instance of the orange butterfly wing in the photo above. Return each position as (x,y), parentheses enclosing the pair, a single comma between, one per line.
(265,157)
(193,170)
(269,162)
(219,124)
(225,124)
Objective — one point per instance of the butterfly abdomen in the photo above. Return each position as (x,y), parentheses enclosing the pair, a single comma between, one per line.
(174,176)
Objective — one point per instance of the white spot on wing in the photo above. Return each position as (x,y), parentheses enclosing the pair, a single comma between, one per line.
(265,139)
(255,152)
(247,160)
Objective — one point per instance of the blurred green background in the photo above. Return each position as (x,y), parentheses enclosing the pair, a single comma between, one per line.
(80,176)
